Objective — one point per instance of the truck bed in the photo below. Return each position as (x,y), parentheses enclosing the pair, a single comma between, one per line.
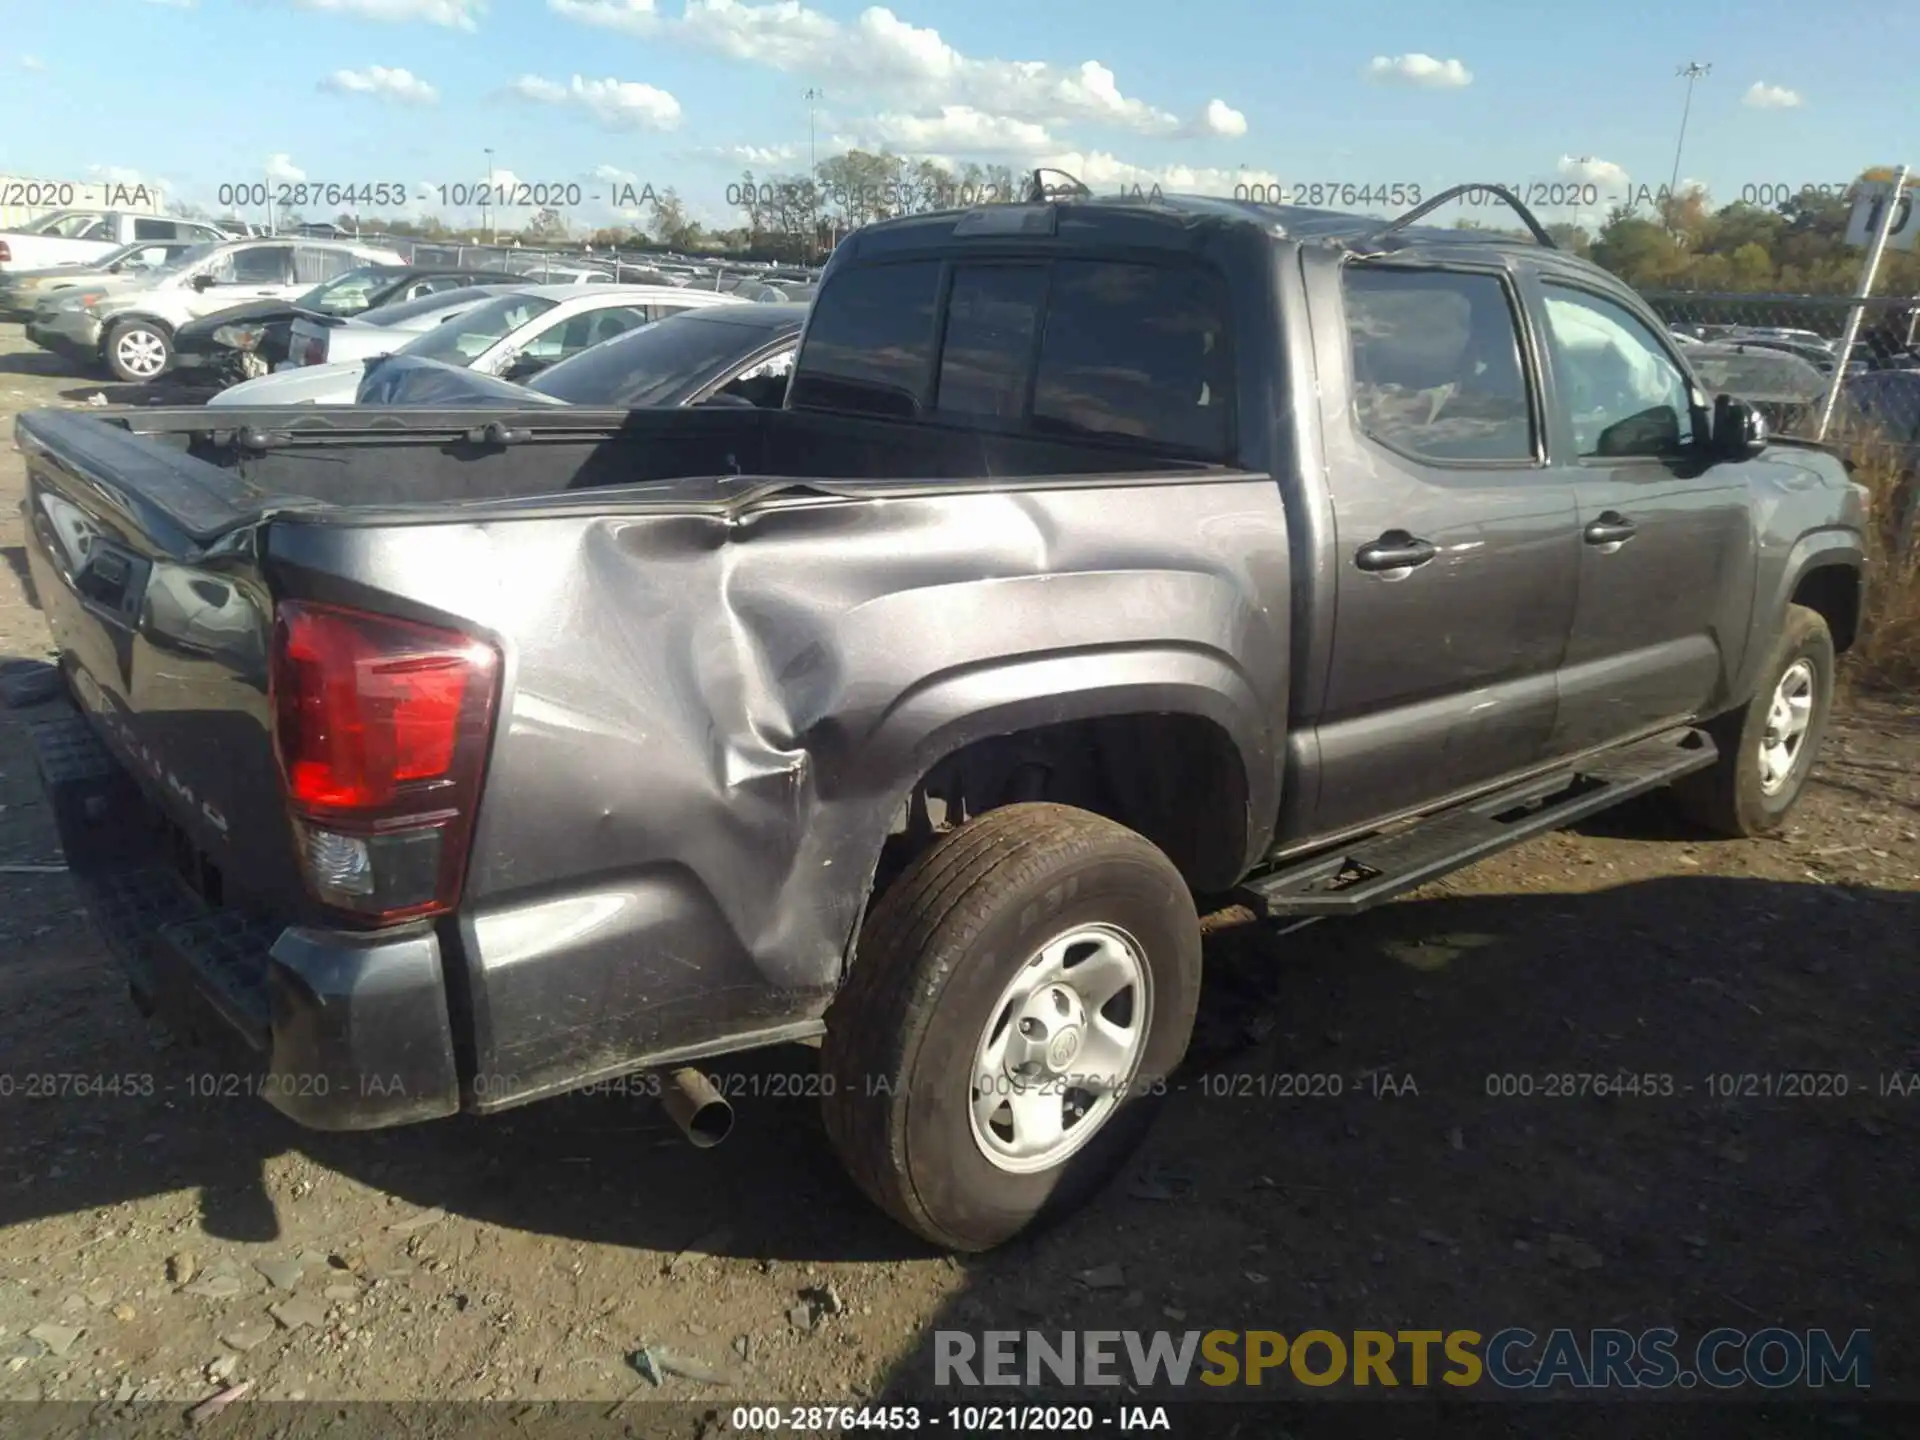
(730,642)
(353,456)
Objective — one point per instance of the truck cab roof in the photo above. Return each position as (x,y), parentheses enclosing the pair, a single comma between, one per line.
(1179,221)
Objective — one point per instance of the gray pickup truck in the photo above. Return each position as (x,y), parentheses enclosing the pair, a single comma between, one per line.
(1108,558)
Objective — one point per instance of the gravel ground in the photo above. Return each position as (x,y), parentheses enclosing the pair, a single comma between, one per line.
(165,1237)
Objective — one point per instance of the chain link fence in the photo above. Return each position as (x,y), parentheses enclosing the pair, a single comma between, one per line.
(1782,354)
(568,263)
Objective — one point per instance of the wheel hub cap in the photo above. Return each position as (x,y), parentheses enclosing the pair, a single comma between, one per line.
(1789,717)
(1060,1049)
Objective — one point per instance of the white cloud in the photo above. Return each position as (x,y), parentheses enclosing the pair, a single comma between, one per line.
(880,52)
(1222,119)
(450,14)
(962,130)
(387,82)
(616,104)
(1106,174)
(1762,96)
(281,169)
(1586,169)
(762,154)
(1418,69)
(33,63)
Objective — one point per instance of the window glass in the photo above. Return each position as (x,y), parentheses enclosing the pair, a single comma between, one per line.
(66,224)
(1436,363)
(404,312)
(311,264)
(988,350)
(462,341)
(154,229)
(255,265)
(1139,351)
(647,366)
(870,344)
(1627,398)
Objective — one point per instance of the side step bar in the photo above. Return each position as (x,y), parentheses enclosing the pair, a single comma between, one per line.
(1378,867)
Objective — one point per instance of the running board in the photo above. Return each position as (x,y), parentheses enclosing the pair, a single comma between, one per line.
(1377,867)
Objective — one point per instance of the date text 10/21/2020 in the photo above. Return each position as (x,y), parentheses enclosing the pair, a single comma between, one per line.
(358,196)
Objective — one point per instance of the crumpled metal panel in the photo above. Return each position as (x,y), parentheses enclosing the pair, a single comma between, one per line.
(711,721)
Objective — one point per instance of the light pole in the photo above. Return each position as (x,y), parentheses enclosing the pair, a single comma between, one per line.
(486,191)
(813,97)
(1691,72)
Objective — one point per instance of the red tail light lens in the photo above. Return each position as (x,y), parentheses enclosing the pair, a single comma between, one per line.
(6,253)
(381,728)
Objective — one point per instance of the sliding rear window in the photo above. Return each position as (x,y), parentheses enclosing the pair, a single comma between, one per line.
(1106,349)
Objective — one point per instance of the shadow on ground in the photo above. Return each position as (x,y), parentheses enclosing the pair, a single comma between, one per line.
(1413,1187)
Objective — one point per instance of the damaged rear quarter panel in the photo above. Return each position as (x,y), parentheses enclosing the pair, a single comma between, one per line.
(710,722)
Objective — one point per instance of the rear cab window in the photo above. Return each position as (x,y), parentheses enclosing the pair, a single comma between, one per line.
(1106,349)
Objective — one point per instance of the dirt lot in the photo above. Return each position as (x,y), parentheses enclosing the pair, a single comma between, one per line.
(148,1235)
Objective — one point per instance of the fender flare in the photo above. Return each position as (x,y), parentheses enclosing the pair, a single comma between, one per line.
(1817,549)
(946,712)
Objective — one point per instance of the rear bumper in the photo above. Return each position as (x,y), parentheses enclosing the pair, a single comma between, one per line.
(337,1030)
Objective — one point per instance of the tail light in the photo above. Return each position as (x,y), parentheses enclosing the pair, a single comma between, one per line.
(6,253)
(381,729)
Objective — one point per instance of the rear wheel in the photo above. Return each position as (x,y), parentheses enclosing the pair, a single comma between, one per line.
(1019,997)
(138,350)
(1767,747)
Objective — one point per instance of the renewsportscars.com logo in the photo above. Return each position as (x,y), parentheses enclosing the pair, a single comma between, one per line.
(1509,1359)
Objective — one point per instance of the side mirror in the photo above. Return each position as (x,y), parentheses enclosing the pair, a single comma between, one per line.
(1739,430)
(204,282)
(523,366)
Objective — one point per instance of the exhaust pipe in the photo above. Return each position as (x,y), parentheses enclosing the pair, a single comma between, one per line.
(701,1112)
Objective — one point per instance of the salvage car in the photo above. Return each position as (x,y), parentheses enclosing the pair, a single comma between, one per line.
(1108,556)
(131,332)
(515,335)
(248,340)
(82,237)
(318,340)
(725,354)
(21,291)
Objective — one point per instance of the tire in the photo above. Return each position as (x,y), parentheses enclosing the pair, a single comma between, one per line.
(145,344)
(968,919)
(1732,796)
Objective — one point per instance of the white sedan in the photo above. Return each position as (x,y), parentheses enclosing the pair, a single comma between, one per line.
(513,335)
(321,339)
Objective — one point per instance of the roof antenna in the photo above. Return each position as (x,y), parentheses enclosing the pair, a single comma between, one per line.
(1038,190)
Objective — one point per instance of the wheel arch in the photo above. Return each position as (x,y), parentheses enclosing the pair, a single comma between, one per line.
(1091,729)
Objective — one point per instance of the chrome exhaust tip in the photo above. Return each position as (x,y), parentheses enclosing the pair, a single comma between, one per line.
(701,1111)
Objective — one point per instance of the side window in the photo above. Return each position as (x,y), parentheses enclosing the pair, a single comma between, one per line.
(101,229)
(144,229)
(1136,350)
(1436,363)
(763,382)
(1626,394)
(869,346)
(255,265)
(661,312)
(312,265)
(580,332)
(988,352)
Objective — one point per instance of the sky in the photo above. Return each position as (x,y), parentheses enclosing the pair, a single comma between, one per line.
(598,98)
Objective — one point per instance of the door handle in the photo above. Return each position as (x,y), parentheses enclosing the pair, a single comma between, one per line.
(1612,528)
(1395,550)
